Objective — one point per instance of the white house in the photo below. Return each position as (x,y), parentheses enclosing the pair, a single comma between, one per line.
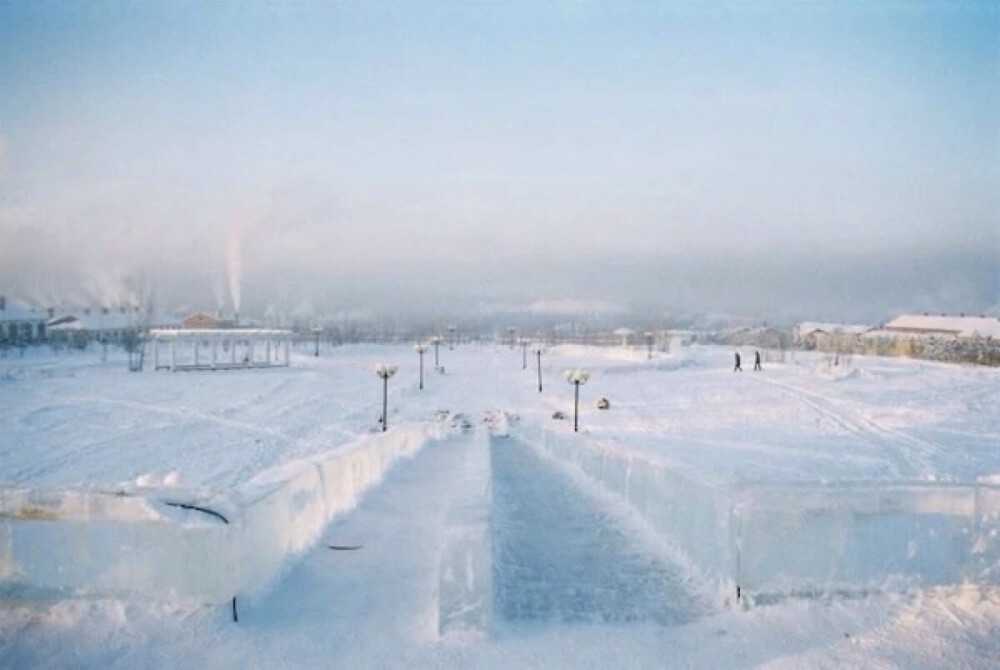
(19,323)
(103,324)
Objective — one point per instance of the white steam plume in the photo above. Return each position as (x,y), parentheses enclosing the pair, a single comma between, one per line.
(233,266)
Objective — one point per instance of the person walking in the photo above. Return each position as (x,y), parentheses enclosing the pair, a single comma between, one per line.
(737,368)
(756,361)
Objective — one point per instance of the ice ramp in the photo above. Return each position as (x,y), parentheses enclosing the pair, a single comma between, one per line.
(205,546)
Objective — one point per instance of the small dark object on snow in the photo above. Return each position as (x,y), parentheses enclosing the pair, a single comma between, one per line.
(344,547)
(558,415)
(197,508)
(603,403)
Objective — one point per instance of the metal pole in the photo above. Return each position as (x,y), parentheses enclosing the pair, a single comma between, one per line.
(421,369)
(576,407)
(436,345)
(385,402)
(317,345)
(539,352)
(524,355)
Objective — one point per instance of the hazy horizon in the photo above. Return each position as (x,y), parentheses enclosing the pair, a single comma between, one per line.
(788,160)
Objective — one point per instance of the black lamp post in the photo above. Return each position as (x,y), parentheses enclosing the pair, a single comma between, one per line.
(420,349)
(385,371)
(316,331)
(576,377)
(538,353)
(649,346)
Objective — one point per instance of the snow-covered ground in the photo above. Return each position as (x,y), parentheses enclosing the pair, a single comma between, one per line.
(480,532)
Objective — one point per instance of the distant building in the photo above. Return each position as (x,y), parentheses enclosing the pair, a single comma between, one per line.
(625,334)
(19,323)
(818,335)
(200,321)
(960,327)
(86,325)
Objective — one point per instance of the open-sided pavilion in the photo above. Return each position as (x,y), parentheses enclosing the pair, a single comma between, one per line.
(220,348)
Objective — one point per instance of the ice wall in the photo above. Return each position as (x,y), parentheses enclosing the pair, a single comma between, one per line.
(213,547)
(690,514)
(864,535)
(775,539)
(59,542)
(286,509)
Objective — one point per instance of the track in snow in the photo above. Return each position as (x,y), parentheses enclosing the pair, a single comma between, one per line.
(912,454)
(559,556)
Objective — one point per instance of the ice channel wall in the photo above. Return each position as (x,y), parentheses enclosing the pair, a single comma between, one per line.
(803,537)
(207,546)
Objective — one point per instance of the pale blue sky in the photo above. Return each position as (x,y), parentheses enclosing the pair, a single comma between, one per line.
(475,139)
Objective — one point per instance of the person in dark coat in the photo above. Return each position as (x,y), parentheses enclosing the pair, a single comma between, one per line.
(756,360)
(737,368)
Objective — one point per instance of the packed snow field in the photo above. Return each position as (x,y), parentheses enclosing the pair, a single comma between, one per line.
(856,506)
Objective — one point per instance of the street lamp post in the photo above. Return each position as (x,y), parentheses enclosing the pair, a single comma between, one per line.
(511,330)
(649,346)
(524,354)
(420,349)
(316,331)
(538,353)
(451,336)
(385,371)
(436,341)
(576,378)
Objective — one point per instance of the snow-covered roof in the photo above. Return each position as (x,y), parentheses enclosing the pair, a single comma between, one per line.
(961,326)
(93,322)
(216,333)
(63,324)
(15,311)
(807,327)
